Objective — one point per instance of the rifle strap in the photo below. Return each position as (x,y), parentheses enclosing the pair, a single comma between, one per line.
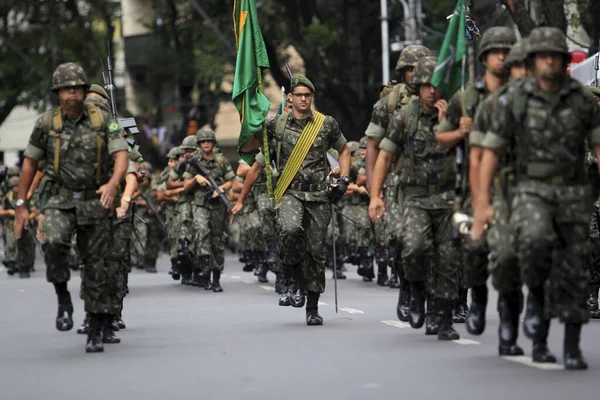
(97,122)
(57,126)
(307,137)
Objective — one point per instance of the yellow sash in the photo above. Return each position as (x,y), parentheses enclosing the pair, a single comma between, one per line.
(307,137)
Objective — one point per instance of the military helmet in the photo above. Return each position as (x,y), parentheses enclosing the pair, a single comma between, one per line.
(423,70)
(95,88)
(190,143)
(333,153)
(547,39)
(146,166)
(174,153)
(13,181)
(13,171)
(363,142)
(68,75)
(206,134)
(517,54)
(410,55)
(497,37)
(353,147)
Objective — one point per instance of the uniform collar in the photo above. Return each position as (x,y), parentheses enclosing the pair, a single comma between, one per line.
(310,116)
(84,112)
(569,85)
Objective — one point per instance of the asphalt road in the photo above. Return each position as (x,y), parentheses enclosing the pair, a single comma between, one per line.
(186,343)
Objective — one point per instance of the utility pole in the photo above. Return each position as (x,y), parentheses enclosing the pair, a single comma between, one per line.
(385,43)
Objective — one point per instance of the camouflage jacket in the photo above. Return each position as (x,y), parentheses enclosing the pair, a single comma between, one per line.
(385,107)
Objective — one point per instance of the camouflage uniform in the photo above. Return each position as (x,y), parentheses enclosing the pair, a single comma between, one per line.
(427,179)
(74,204)
(551,201)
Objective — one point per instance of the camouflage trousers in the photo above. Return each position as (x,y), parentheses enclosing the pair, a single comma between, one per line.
(10,246)
(26,248)
(360,234)
(475,266)
(594,259)
(209,236)
(266,214)
(388,230)
(503,263)
(302,229)
(183,225)
(102,285)
(428,253)
(251,230)
(121,249)
(551,225)
(146,242)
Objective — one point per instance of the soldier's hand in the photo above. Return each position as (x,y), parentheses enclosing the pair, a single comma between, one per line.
(40,229)
(235,210)
(376,209)
(188,184)
(483,215)
(464,125)
(442,106)
(215,194)
(121,211)
(363,190)
(202,181)
(107,194)
(21,221)
(335,172)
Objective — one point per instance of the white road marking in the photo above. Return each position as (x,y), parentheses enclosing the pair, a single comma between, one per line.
(527,361)
(235,277)
(397,324)
(267,288)
(322,304)
(352,310)
(465,342)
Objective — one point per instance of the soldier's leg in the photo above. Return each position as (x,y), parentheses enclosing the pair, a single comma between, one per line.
(445,272)
(257,244)
(26,253)
(58,228)
(217,245)
(123,232)
(10,250)
(140,238)
(201,249)
(570,276)
(152,244)
(535,239)
(316,218)
(417,238)
(246,255)
(292,249)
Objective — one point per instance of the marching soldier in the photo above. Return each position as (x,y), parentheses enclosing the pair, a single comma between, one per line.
(79,148)
(544,121)
(428,181)
(301,139)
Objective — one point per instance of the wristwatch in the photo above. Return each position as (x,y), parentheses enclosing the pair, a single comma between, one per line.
(20,203)
(345,179)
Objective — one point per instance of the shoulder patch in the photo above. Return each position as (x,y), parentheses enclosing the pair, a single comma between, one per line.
(113,126)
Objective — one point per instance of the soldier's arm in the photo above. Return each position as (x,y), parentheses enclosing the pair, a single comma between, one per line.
(594,135)
(338,142)
(35,151)
(253,175)
(448,132)
(375,133)
(480,125)
(229,176)
(243,169)
(388,147)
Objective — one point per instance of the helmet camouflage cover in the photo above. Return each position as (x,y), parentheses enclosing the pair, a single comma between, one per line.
(497,37)
(410,55)
(13,181)
(206,134)
(363,142)
(517,54)
(190,143)
(68,75)
(174,153)
(423,70)
(353,147)
(547,39)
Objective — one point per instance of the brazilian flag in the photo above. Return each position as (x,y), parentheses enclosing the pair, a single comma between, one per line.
(251,61)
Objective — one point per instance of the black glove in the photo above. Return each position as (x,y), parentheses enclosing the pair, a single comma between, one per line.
(337,192)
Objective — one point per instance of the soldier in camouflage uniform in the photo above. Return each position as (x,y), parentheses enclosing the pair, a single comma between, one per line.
(10,244)
(454,131)
(70,138)
(387,229)
(18,256)
(303,211)
(209,212)
(551,200)
(503,262)
(427,178)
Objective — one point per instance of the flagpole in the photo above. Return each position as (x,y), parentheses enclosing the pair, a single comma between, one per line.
(265,141)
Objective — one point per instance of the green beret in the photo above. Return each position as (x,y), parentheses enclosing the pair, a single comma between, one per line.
(300,80)
(98,89)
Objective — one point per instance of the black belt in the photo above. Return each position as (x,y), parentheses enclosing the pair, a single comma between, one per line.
(308,187)
(83,194)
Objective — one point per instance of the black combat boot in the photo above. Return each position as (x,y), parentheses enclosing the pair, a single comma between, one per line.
(249,260)
(476,317)
(271,253)
(94,336)
(150,268)
(534,313)
(120,324)
(312,310)
(206,266)
(284,299)
(541,353)
(174,272)
(402,308)
(261,269)
(279,283)
(24,271)
(338,272)
(573,357)
(298,295)
(197,277)
(64,317)
(509,307)
(365,268)
(431,317)
(382,275)
(216,284)
(352,256)
(592,303)
(108,333)
(460,309)
(85,325)
(11,267)
(416,314)
(446,330)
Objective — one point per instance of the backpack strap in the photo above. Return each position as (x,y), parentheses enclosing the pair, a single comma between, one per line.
(97,122)
(392,100)
(411,124)
(57,127)
(279,131)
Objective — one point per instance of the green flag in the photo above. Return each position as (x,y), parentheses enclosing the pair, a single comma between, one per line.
(449,73)
(251,60)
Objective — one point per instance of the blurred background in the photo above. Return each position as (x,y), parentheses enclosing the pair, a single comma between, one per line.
(173,60)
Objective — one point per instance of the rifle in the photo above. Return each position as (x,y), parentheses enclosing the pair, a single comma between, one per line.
(196,165)
(154,212)
(459,164)
(597,65)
